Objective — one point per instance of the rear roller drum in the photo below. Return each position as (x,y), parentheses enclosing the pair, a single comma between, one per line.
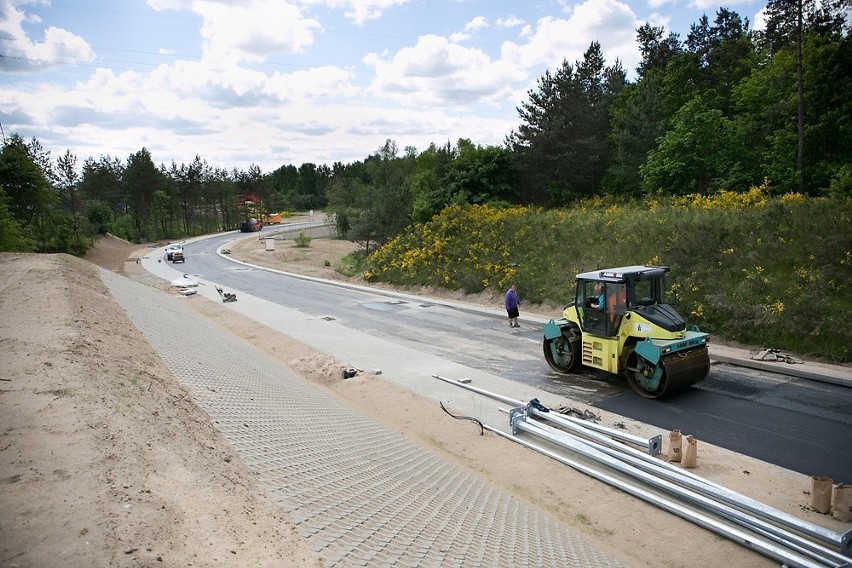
(562,354)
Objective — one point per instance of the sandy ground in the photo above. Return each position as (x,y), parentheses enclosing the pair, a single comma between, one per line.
(106,461)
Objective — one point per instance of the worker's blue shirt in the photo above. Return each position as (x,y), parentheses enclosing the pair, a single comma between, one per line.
(601,302)
(512,300)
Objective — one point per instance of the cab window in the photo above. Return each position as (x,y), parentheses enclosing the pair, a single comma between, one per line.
(644,293)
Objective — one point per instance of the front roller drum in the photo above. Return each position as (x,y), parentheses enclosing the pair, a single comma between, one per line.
(674,373)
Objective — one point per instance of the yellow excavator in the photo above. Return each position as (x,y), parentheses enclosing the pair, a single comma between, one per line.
(619,322)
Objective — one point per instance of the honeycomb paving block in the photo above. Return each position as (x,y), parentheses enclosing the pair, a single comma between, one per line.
(359,493)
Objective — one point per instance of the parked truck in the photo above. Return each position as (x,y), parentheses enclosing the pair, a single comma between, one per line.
(250,225)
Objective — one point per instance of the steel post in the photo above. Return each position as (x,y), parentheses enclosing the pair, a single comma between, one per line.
(842,541)
(746,539)
(653,444)
(580,429)
(674,483)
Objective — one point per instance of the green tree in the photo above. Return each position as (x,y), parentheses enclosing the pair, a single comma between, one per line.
(480,175)
(373,203)
(828,82)
(102,181)
(639,115)
(31,199)
(786,24)
(141,180)
(311,187)
(561,145)
(283,184)
(99,215)
(682,82)
(68,180)
(223,195)
(13,237)
(352,202)
(25,183)
(427,192)
(190,180)
(656,51)
(767,119)
(727,53)
(638,120)
(693,155)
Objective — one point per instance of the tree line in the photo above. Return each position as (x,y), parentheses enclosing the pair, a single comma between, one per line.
(726,108)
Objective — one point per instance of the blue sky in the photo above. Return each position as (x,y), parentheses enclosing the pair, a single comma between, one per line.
(276,82)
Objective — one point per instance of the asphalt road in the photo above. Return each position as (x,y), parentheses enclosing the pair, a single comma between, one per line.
(796,424)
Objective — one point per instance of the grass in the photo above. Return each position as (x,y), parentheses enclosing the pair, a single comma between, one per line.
(761,270)
(352,264)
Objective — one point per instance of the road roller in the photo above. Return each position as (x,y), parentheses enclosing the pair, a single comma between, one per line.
(619,322)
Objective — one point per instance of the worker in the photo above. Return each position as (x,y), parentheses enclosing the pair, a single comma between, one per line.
(511,303)
(600,303)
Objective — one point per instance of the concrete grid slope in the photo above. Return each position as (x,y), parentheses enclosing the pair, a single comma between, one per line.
(359,493)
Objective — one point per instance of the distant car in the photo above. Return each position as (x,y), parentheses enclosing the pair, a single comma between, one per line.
(177,256)
(173,248)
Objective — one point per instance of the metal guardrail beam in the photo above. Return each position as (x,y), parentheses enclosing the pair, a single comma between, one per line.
(722,501)
(653,444)
(734,534)
(711,497)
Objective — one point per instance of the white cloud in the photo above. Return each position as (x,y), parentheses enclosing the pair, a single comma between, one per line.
(25,55)
(359,11)
(758,23)
(438,72)
(233,112)
(476,24)
(510,22)
(655,4)
(316,85)
(713,5)
(552,40)
(253,31)
(170,4)
(660,20)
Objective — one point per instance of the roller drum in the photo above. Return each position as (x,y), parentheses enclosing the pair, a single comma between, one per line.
(673,373)
(682,370)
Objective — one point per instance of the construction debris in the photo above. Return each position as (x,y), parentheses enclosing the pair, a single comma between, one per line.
(226,296)
(576,412)
(775,355)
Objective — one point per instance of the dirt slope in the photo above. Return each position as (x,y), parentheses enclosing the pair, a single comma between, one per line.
(104,458)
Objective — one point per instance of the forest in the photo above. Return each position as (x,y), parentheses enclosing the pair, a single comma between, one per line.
(727,108)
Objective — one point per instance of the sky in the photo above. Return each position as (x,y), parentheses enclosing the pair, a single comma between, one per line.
(286,82)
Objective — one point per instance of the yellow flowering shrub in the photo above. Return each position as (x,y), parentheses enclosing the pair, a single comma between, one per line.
(745,265)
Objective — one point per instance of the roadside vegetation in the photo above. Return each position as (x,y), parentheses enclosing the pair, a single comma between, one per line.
(770,271)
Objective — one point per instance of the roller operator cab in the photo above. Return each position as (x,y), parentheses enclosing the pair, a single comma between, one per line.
(619,322)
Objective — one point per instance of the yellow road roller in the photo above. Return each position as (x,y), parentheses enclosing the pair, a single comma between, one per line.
(619,322)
